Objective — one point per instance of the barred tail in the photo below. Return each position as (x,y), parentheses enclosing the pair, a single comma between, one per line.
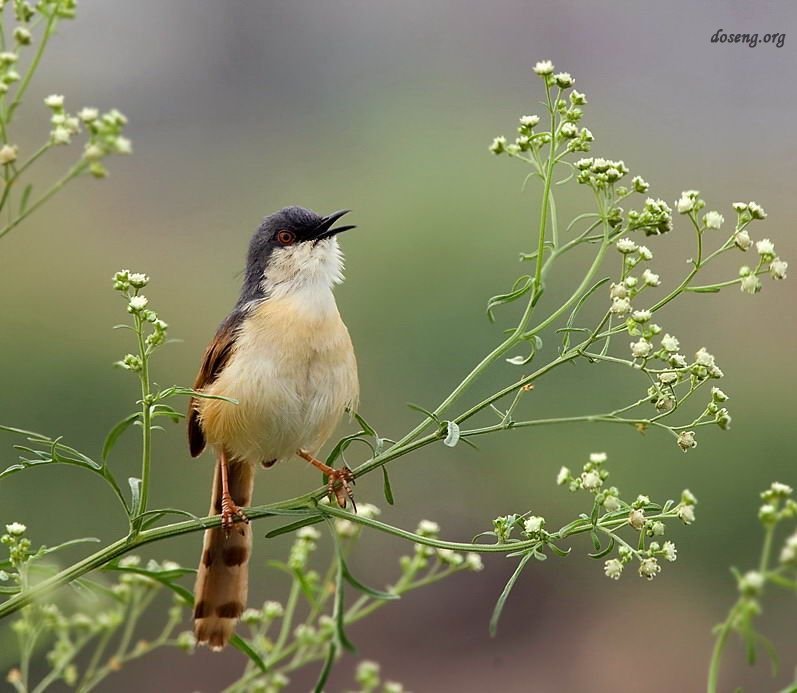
(222,579)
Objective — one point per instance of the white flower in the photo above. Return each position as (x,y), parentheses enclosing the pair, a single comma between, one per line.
(750,284)
(611,504)
(641,349)
(718,395)
(686,514)
(668,377)
(569,130)
(345,528)
(498,145)
(650,278)
(742,240)
(626,245)
(788,554)
(641,315)
(636,518)
(645,253)
(613,569)
(686,440)
(564,80)
(618,291)
(16,529)
(273,610)
(598,457)
(756,210)
(777,268)
(529,121)
(8,154)
(450,557)
(713,220)
(670,343)
(687,497)
(640,184)
(473,561)
(308,533)
(703,358)
(88,115)
(781,490)
(139,303)
(751,582)
(563,475)
(544,67)
(658,529)
(139,280)
(649,568)
(684,204)
(740,206)
(368,511)
(427,528)
(765,247)
(620,306)
(669,551)
(591,481)
(61,135)
(678,361)
(122,145)
(533,524)
(54,101)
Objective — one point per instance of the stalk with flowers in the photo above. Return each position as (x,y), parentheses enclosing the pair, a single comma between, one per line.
(608,320)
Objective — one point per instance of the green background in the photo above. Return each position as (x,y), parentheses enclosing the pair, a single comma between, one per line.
(239,108)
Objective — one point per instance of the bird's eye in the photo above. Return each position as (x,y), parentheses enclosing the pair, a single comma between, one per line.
(286,237)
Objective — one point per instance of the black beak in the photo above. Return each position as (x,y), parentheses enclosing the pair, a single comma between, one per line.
(325,230)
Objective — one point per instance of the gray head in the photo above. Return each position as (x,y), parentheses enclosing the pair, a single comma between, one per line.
(292,249)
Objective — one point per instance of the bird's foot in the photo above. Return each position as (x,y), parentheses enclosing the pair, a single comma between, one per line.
(231,513)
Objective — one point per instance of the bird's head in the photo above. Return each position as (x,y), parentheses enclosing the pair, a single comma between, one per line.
(295,248)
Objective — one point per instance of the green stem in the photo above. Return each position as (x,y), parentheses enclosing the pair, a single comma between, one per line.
(146,425)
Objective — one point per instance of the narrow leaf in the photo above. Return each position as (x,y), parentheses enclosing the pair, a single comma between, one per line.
(293,526)
(386,485)
(240,644)
(135,492)
(23,201)
(326,669)
(116,432)
(370,591)
(499,605)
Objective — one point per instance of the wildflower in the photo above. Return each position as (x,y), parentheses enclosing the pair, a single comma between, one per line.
(778,490)
(669,551)
(641,349)
(703,358)
(563,476)
(591,481)
(543,68)
(751,583)
(427,528)
(499,145)
(686,514)
(788,555)
(618,291)
(308,534)
(641,316)
(756,211)
(533,525)
(88,115)
(649,568)
(569,131)
(138,280)
(368,511)
(670,343)
(137,303)
(650,278)
(16,529)
(613,569)
(688,498)
(60,135)
(645,253)
(611,504)
(22,36)
(765,247)
(750,284)
(529,121)
(668,377)
(777,268)
(251,617)
(718,395)
(768,514)
(598,457)
(640,184)
(636,518)
(678,361)
(684,204)
(122,145)
(686,440)
(450,557)
(8,154)
(345,528)
(620,306)
(563,80)
(54,101)
(367,674)
(626,245)
(742,240)
(657,529)
(186,641)
(473,561)
(713,220)
(273,610)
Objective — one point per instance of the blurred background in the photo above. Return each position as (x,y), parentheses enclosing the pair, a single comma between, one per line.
(239,108)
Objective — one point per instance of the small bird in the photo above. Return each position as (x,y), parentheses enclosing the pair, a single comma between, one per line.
(286,359)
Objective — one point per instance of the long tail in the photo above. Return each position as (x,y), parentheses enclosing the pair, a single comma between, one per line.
(222,579)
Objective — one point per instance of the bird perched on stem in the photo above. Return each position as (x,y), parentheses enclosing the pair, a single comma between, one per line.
(285,357)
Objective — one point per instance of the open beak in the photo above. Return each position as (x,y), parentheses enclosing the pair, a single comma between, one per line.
(325,230)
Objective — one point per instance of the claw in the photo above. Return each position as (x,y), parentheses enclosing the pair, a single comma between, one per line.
(339,485)
(230,514)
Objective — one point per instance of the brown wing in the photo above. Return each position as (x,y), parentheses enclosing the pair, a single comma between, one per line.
(215,358)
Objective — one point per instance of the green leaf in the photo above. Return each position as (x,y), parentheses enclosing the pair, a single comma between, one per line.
(386,485)
(499,605)
(293,526)
(600,553)
(82,540)
(241,645)
(339,611)
(166,410)
(116,432)
(452,434)
(177,391)
(577,308)
(326,669)
(370,591)
(429,414)
(367,428)
(521,287)
(705,289)
(164,577)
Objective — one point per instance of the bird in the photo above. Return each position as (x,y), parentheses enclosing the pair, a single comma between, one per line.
(273,384)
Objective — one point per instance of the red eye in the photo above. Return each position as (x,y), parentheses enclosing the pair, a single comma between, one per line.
(286,237)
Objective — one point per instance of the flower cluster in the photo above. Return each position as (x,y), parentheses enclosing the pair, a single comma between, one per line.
(130,284)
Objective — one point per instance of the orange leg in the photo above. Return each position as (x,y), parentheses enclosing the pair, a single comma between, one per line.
(230,512)
(339,481)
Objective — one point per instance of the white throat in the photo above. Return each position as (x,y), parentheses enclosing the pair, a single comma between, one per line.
(311,269)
